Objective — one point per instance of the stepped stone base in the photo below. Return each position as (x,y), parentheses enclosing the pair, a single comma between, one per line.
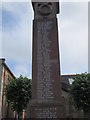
(47,109)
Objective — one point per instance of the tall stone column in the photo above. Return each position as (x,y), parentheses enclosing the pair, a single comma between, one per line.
(46,78)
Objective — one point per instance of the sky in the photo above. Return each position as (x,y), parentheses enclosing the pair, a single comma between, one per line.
(16,34)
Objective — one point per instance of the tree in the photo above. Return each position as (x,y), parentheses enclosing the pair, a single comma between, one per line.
(80,92)
(18,93)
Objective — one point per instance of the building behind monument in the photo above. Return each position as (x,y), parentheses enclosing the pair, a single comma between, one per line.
(5,111)
(5,76)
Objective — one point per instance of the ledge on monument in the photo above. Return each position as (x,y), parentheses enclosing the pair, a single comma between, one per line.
(35,102)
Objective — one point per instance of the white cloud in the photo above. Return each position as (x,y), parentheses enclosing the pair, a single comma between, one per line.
(0,44)
(22,69)
(0,29)
(74,38)
(44,0)
(17,42)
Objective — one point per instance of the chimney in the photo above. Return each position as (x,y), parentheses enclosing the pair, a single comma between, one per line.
(2,60)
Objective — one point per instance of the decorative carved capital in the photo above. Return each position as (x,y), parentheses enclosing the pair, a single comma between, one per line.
(45,10)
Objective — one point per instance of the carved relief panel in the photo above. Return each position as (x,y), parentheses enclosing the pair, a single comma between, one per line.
(46,10)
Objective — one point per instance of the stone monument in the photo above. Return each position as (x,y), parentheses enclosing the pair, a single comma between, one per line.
(46,79)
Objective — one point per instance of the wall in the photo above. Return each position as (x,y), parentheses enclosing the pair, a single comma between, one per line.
(0,85)
(6,76)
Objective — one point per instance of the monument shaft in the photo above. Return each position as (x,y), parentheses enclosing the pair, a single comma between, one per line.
(46,71)
(46,78)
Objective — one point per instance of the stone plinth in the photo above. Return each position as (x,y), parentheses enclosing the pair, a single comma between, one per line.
(47,109)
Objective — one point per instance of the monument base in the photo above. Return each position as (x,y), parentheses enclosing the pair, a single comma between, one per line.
(47,109)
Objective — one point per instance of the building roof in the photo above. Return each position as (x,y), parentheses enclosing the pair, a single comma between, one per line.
(2,61)
(65,81)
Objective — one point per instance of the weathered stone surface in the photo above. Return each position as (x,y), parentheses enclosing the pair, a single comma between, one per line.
(47,109)
(0,73)
(43,10)
(0,85)
(46,71)
(46,78)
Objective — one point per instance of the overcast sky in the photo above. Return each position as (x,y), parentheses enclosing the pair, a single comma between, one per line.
(17,37)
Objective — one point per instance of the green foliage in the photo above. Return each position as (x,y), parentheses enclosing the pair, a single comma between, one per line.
(80,92)
(18,93)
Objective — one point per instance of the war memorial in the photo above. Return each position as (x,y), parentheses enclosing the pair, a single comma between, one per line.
(49,88)
(46,78)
